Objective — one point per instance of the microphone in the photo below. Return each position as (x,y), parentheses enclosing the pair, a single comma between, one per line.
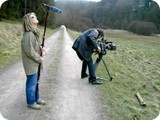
(53,8)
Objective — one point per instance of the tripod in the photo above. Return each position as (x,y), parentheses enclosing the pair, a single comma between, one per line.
(98,60)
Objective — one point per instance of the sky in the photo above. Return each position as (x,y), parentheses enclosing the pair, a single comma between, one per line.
(85,0)
(94,0)
(158,1)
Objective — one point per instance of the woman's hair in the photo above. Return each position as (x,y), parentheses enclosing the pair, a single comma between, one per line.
(100,33)
(26,23)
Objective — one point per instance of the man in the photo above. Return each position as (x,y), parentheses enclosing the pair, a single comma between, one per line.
(84,46)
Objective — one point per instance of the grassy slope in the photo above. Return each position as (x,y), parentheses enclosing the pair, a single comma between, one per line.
(10,39)
(10,34)
(135,67)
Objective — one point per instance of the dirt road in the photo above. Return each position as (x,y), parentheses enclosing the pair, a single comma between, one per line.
(68,97)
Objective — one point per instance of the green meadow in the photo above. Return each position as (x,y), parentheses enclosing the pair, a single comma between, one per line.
(135,67)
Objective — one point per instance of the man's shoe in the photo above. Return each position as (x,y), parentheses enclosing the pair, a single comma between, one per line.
(41,102)
(35,107)
(90,80)
(84,76)
(96,82)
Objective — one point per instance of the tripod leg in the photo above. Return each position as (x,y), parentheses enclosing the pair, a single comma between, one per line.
(107,70)
(98,60)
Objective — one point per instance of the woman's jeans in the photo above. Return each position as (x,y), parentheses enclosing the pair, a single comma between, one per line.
(31,84)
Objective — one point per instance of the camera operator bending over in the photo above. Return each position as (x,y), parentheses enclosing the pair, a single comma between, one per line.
(84,46)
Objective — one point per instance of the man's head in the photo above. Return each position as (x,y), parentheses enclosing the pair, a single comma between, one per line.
(100,33)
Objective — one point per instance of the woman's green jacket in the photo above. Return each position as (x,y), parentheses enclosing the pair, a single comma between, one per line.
(30,48)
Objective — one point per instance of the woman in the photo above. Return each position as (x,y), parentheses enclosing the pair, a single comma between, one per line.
(30,47)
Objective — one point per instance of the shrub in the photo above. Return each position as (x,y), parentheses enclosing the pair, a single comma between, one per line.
(143,28)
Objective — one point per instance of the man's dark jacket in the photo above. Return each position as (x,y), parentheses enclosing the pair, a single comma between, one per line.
(85,44)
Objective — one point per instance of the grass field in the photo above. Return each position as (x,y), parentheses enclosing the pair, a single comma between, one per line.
(135,67)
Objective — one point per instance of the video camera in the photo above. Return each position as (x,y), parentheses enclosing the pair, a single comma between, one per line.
(104,45)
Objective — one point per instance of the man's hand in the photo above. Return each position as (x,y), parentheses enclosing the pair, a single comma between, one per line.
(99,49)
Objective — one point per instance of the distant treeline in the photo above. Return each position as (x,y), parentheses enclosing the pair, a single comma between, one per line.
(16,9)
(139,16)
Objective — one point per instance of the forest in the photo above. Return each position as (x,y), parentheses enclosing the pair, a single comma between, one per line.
(139,16)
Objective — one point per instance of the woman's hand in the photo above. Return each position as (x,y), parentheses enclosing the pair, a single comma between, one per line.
(43,51)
